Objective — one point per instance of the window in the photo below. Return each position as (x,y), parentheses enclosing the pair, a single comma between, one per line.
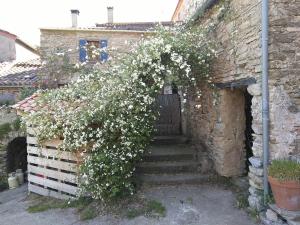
(87,50)
(92,48)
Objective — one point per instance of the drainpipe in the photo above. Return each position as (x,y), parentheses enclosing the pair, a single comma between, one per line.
(265,94)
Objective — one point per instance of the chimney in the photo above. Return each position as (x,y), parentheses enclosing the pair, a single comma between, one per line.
(74,13)
(110,14)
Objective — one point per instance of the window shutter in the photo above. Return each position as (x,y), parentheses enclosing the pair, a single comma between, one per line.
(103,55)
(82,50)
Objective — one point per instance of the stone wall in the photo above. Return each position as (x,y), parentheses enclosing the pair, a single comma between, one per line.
(7,49)
(221,126)
(284,77)
(7,115)
(238,36)
(185,9)
(53,39)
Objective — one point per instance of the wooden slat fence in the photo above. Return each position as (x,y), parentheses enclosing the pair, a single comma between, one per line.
(51,172)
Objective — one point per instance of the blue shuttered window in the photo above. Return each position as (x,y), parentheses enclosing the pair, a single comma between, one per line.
(103,54)
(82,50)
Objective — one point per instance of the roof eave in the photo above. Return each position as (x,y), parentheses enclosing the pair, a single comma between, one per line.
(97,30)
(27,46)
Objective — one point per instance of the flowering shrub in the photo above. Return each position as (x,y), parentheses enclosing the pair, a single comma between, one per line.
(110,113)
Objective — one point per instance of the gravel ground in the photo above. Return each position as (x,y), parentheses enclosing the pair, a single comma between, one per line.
(185,205)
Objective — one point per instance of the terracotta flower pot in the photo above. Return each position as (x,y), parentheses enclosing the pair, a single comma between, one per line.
(286,194)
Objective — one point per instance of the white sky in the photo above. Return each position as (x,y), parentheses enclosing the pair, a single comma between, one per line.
(25,17)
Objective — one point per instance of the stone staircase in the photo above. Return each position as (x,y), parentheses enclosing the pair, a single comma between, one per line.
(170,160)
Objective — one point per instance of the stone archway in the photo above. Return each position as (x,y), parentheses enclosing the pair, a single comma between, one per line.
(10,130)
(11,136)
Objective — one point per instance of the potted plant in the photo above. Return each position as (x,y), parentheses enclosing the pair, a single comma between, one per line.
(284,177)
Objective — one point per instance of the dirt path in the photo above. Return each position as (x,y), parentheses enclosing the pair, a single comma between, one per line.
(185,205)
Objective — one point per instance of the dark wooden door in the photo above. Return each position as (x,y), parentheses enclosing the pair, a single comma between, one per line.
(169,122)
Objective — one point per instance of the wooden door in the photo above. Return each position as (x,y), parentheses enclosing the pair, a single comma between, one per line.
(169,122)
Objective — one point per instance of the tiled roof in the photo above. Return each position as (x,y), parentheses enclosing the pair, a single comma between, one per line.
(18,74)
(28,104)
(141,26)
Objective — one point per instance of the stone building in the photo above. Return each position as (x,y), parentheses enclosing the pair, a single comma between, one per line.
(231,130)
(118,37)
(15,73)
(16,76)
(8,46)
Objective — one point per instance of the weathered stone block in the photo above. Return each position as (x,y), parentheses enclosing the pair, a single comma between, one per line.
(256,171)
(256,162)
(255,202)
(256,185)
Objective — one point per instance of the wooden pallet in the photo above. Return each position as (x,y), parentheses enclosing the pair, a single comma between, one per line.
(51,172)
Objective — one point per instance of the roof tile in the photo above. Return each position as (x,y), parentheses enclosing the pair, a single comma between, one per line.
(19,73)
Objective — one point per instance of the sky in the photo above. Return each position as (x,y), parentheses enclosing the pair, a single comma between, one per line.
(25,17)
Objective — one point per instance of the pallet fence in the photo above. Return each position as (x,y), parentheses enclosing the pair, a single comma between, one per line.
(51,172)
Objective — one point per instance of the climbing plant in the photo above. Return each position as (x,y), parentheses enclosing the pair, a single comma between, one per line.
(109,113)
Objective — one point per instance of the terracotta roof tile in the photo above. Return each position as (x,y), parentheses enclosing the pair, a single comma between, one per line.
(28,104)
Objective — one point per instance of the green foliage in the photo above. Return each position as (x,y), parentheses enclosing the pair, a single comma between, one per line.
(285,170)
(58,69)
(219,10)
(88,213)
(84,206)
(109,112)
(5,129)
(254,214)
(151,208)
(17,124)
(3,183)
(44,204)
(189,200)
(242,201)
(26,92)
(156,207)
(80,203)
(6,102)
(270,199)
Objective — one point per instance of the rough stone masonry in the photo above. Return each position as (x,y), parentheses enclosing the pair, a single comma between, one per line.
(7,116)
(221,127)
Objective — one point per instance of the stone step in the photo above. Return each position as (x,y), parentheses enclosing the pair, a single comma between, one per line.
(178,152)
(165,167)
(166,140)
(174,179)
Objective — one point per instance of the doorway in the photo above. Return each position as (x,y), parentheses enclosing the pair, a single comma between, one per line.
(16,155)
(248,131)
(234,132)
(169,121)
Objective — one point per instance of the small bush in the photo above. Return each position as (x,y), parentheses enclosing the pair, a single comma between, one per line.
(26,92)
(285,170)
(17,124)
